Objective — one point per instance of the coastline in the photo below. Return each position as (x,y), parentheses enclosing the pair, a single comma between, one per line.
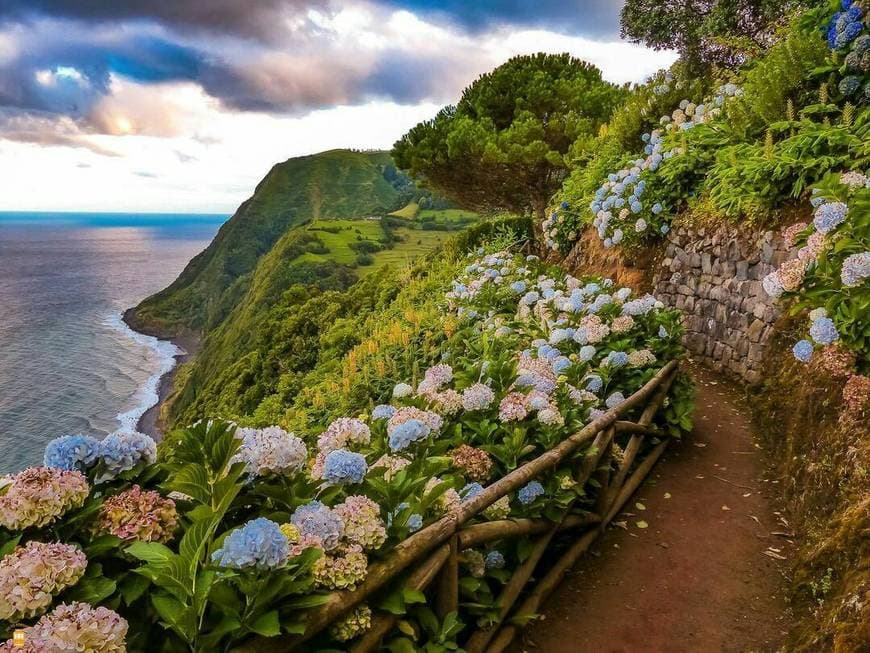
(187,346)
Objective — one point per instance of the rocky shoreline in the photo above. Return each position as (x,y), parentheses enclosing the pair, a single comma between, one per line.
(187,344)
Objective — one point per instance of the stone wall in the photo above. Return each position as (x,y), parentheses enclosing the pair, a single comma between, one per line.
(714,277)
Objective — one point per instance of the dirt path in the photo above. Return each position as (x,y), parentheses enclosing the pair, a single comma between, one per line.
(696,579)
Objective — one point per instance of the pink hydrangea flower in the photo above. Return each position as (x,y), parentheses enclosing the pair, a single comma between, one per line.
(33,574)
(138,514)
(362,522)
(72,628)
(39,495)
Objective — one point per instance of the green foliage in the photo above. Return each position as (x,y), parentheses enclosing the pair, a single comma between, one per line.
(782,76)
(503,146)
(748,177)
(707,32)
(339,184)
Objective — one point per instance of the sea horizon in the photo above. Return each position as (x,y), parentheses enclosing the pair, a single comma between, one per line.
(68,362)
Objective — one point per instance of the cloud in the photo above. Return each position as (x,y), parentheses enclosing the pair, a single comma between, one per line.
(48,131)
(587,17)
(256,19)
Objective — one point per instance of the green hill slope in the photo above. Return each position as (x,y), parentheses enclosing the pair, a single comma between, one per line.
(338,184)
(282,271)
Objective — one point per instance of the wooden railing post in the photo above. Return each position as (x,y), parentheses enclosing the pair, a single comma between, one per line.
(448,582)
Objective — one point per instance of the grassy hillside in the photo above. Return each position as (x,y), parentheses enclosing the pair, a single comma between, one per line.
(283,269)
(334,185)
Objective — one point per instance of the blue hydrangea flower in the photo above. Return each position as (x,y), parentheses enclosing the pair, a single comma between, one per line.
(71,452)
(530,492)
(415,522)
(664,229)
(856,268)
(614,400)
(615,359)
(403,435)
(344,467)
(663,332)
(561,363)
(587,353)
(470,491)
(121,452)
(317,520)
(259,544)
(617,236)
(803,350)
(824,331)
(494,560)
(829,216)
(518,287)
(530,298)
(594,384)
(383,411)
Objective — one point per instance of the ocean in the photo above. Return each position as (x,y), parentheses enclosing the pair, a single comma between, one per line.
(68,363)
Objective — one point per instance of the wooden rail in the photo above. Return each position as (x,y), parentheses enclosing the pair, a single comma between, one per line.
(437,546)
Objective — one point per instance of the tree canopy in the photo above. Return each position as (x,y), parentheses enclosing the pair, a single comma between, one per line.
(505,144)
(718,32)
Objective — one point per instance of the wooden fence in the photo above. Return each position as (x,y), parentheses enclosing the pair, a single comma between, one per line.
(434,551)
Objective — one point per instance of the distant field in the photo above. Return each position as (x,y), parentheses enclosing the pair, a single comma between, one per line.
(409,211)
(338,236)
(446,215)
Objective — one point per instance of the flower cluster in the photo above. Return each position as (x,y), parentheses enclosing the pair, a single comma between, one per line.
(474,463)
(72,628)
(138,514)
(353,624)
(259,544)
(362,522)
(845,26)
(529,492)
(72,452)
(342,467)
(318,525)
(621,208)
(342,569)
(122,451)
(342,434)
(856,394)
(33,574)
(270,451)
(39,495)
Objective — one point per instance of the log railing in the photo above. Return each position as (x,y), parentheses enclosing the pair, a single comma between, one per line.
(437,547)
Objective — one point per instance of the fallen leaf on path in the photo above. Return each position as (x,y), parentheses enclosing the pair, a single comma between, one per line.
(667,495)
(664,545)
(700,445)
(640,506)
(725,508)
(771,554)
(642,524)
(748,494)
(699,476)
(754,518)
(621,524)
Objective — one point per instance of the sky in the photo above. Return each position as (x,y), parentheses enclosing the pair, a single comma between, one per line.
(184,105)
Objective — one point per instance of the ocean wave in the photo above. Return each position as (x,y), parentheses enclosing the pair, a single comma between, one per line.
(147,394)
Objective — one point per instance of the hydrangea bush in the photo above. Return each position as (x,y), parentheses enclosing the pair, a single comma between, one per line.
(831,277)
(238,531)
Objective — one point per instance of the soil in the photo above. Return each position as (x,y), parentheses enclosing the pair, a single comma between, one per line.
(697,578)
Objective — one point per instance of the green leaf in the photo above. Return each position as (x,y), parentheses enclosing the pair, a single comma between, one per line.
(267,625)
(151,552)
(413,596)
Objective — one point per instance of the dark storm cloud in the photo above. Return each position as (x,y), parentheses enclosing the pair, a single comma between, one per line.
(263,18)
(250,18)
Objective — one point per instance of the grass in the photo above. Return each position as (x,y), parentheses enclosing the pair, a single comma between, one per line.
(409,211)
(445,215)
(338,236)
